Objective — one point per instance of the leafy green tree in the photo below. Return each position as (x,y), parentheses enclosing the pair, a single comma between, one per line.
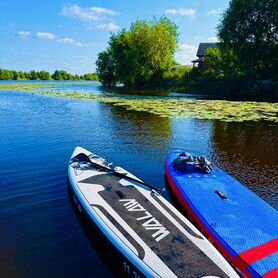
(27,75)
(90,76)
(64,75)
(33,75)
(221,64)
(21,75)
(213,58)
(6,74)
(15,75)
(57,75)
(44,75)
(231,65)
(2,74)
(141,55)
(250,29)
(178,75)
(106,68)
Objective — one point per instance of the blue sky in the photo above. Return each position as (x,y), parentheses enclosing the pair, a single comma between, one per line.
(58,34)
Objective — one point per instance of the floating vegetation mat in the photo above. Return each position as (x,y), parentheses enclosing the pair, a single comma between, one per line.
(228,111)
(24,87)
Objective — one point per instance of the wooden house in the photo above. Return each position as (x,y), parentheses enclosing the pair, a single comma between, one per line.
(201,52)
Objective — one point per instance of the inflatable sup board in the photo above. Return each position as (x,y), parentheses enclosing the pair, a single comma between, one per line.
(239,223)
(148,232)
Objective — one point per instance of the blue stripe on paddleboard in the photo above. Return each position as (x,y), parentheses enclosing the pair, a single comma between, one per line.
(267,264)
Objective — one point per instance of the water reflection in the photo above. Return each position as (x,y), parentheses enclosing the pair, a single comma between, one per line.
(137,141)
(150,128)
(105,250)
(249,152)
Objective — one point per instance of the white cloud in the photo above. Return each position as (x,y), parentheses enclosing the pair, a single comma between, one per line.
(190,13)
(102,11)
(186,53)
(24,35)
(50,36)
(66,41)
(212,39)
(215,12)
(45,36)
(112,27)
(91,14)
(70,41)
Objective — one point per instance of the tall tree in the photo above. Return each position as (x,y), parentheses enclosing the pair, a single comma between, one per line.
(106,68)
(250,29)
(43,75)
(33,75)
(223,62)
(140,55)
(57,75)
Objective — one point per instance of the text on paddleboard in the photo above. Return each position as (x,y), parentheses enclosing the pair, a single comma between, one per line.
(150,223)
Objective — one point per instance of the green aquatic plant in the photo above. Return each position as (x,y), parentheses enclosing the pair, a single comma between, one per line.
(228,111)
(24,87)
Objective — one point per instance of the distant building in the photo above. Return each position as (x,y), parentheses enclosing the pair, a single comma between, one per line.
(202,50)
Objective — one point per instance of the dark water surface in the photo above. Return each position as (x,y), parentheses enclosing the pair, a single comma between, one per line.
(40,233)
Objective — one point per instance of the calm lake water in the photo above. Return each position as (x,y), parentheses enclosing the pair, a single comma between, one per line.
(41,234)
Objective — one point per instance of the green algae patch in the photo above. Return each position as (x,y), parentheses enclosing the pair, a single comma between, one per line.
(24,87)
(210,109)
(228,111)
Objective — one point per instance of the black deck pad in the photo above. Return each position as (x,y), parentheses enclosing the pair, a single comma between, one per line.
(182,256)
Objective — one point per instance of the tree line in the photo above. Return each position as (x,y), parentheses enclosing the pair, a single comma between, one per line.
(144,54)
(6,74)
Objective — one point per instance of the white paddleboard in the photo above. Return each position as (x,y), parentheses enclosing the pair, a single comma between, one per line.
(149,233)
